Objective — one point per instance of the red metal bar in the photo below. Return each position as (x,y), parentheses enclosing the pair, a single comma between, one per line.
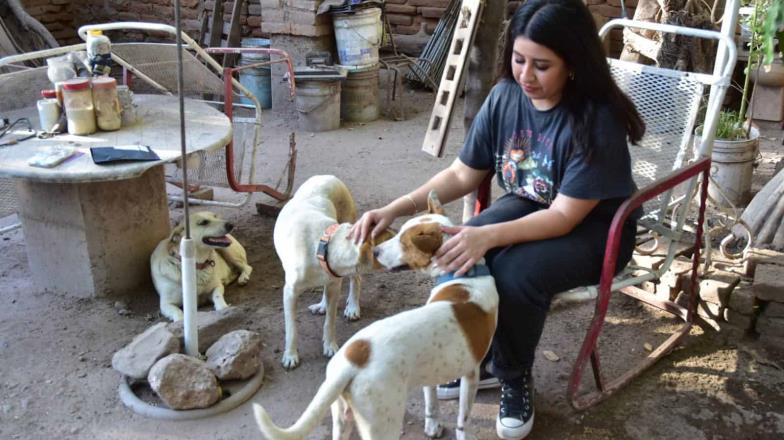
(483,194)
(588,348)
(228,109)
(285,58)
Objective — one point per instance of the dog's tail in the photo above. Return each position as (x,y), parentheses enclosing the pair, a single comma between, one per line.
(327,393)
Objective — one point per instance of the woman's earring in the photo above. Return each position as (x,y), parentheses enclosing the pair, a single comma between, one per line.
(571,76)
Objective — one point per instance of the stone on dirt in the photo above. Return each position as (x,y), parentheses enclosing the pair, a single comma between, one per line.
(135,359)
(212,325)
(183,382)
(236,355)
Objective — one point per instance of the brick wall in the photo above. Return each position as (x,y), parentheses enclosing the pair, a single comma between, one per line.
(64,17)
(260,18)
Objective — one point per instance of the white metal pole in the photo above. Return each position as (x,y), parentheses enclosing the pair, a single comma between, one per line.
(187,251)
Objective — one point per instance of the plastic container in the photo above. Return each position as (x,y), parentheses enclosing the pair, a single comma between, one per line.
(358,36)
(256,79)
(79,108)
(48,110)
(318,104)
(359,95)
(107,104)
(126,102)
(99,52)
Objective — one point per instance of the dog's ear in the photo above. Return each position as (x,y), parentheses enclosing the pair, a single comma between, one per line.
(420,242)
(433,204)
(176,233)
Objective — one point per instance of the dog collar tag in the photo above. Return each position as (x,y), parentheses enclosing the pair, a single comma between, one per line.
(479,270)
(321,251)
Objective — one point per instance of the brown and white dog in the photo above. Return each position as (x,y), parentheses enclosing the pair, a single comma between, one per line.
(220,259)
(372,374)
(310,238)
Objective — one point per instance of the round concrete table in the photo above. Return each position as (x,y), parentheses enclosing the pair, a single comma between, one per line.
(90,229)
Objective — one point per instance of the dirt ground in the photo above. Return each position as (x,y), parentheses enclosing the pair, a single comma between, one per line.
(56,379)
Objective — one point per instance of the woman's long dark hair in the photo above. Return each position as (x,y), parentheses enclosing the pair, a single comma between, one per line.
(567,28)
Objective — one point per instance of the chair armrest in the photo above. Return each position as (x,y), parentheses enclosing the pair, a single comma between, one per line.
(635,201)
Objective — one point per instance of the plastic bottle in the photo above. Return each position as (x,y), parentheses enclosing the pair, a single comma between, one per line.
(107,104)
(48,110)
(79,108)
(99,52)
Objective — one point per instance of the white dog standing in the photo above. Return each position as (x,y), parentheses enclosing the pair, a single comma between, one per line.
(311,241)
(220,259)
(371,375)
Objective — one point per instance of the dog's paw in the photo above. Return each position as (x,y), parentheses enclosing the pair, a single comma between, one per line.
(462,434)
(290,361)
(433,428)
(318,309)
(330,349)
(243,280)
(351,312)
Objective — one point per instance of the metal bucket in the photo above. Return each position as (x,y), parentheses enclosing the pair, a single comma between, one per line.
(359,96)
(358,36)
(256,79)
(732,166)
(318,104)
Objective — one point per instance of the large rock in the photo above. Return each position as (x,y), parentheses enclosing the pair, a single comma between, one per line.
(212,325)
(770,326)
(774,310)
(768,283)
(183,382)
(236,355)
(135,359)
(742,299)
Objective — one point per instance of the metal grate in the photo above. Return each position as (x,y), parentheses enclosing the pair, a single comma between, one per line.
(8,200)
(668,102)
(158,61)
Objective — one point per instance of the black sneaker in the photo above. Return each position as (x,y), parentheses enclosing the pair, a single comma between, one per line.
(516,414)
(451,390)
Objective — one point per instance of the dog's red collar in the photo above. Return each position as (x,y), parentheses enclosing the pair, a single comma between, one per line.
(199,266)
(321,252)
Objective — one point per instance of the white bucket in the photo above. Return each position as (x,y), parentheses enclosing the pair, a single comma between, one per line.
(358,36)
(732,167)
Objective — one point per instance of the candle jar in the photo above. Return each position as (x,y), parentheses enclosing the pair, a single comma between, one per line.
(79,108)
(107,104)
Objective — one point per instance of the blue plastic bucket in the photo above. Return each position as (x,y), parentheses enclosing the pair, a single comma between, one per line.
(256,79)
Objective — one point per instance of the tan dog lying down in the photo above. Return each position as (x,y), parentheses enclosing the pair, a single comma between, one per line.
(372,374)
(321,203)
(220,260)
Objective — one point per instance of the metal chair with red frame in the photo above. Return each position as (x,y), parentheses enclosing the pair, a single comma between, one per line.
(668,101)
(153,66)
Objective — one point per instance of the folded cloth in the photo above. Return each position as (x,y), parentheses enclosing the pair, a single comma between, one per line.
(107,155)
(348,5)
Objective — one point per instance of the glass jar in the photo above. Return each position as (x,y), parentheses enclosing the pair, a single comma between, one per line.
(107,104)
(79,109)
(48,110)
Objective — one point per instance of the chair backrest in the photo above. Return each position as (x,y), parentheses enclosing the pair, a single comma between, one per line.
(158,62)
(22,88)
(668,102)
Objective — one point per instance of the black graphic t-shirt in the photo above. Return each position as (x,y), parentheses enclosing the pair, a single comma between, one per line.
(533,156)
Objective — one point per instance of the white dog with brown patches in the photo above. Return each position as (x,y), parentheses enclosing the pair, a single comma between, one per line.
(310,238)
(220,259)
(371,375)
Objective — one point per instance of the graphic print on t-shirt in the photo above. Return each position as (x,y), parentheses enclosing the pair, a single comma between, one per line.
(525,166)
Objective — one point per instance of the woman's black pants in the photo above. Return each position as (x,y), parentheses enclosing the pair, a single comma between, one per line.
(529,274)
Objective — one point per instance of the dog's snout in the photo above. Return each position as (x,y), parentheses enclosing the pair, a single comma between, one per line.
(229,227)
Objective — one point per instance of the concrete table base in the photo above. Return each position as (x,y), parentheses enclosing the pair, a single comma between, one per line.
(94,239)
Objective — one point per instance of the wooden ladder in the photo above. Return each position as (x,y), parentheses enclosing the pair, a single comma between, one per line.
(212,30)
(448,89)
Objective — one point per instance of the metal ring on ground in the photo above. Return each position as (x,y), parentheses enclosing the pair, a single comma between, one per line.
(141,407)
(731,237)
